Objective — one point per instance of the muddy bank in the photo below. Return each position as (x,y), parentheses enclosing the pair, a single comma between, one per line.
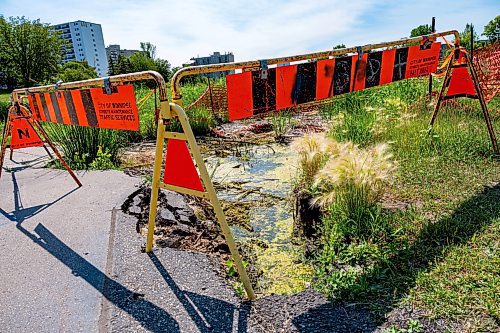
(177,225)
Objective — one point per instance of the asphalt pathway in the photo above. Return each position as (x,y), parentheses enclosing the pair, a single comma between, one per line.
(54,241)
(71,261)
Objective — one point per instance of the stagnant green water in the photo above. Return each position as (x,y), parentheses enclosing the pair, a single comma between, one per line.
(261,177)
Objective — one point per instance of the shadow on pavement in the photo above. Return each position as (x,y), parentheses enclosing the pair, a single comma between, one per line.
(20,214)
(150,316)
(208,313)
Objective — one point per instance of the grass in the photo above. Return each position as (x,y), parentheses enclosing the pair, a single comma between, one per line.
(441,253)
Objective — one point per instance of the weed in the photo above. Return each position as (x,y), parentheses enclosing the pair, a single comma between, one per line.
(102,161)
(354,178)
(281,121)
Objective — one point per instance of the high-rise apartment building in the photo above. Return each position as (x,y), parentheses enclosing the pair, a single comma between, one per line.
(114,50)
(215,58)
(85,42)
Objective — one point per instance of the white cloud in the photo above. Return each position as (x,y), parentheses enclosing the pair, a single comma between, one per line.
(251,29)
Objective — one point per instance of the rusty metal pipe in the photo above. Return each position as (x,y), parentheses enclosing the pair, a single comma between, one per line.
(130,77)
(194,70)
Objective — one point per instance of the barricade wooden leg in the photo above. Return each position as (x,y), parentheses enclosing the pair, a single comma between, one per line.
(35,124)
(441,92)
(209,188)
(6,134)
(155,184)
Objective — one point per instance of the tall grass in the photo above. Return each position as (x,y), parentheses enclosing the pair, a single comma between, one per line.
(448,209)
(81,146)
(354,179)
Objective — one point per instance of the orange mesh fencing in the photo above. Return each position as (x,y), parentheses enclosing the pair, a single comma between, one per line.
(487,63)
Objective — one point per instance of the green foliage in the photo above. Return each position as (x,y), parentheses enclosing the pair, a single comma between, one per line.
(492,30)
(421,30)
(465,37)
(4,106)
(280,121)
(439,253)
(414,326)
(201,120)
(76,71)
(231,268)
(30,52)
(143,60)
(102,161)
(85,147)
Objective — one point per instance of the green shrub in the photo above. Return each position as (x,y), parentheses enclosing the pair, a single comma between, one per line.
(4,108)
(81,146)
(201,120)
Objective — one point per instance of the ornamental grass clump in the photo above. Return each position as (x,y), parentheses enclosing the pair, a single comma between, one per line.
(312,150)
(354,179)
(343,175)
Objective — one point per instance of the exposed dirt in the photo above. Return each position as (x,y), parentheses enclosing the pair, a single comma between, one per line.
(177,225)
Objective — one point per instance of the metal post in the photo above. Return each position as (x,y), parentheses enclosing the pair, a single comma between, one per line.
(155,184)
(6,134)
(209,188)
(433,30)
(471,41)
(211,98)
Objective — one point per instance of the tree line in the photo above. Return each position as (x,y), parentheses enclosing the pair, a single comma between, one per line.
(491,33)
(32,53)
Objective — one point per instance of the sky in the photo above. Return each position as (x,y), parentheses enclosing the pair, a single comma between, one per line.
(255,29)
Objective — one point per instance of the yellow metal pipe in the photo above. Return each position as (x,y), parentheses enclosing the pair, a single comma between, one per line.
(194,70)
(155,183)
(210,190)
(116,79)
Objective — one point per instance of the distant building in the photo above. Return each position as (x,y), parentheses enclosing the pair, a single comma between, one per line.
(86,43)
(215,58)
(114,50)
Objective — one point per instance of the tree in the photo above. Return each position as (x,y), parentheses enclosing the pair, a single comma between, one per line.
(76,71)
(421,30)
(144,60)
(465,37)
(149,49)
(164,68)
(140,61)
(30,52)
(123,65)
(339,46)
(492,30)
(111,66)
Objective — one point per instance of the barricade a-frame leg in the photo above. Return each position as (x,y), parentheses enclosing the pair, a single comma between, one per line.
(24,112)
(169,111)
(477,87)
(6,134)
